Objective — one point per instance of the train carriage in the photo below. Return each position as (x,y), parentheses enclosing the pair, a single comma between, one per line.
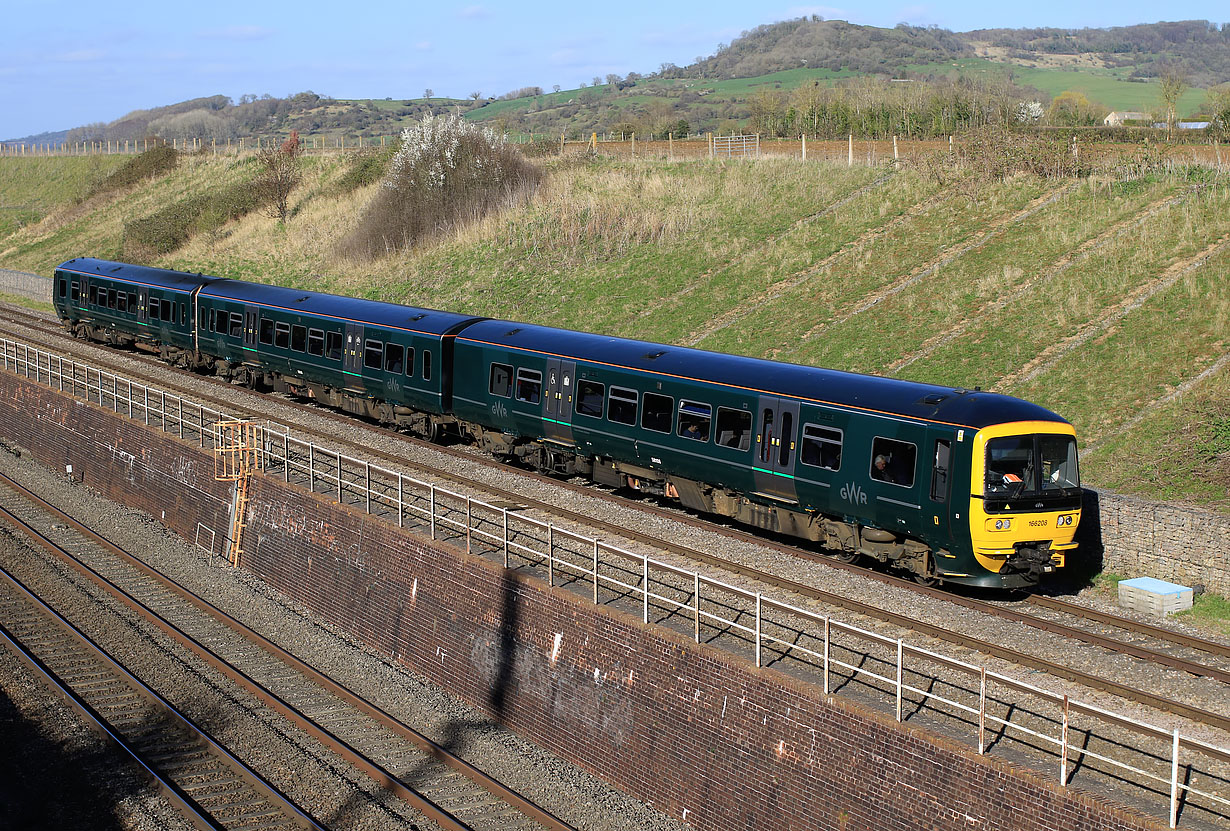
(949,484)
(126,305)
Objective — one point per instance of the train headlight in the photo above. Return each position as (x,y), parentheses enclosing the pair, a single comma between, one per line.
(1066,519)
(1003,524)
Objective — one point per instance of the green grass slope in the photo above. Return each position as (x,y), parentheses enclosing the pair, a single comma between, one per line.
(1104,299)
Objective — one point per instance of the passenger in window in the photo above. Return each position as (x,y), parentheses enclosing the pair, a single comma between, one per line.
(692,431)
(881,470)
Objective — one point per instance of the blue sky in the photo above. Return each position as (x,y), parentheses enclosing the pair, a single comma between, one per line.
(74,62)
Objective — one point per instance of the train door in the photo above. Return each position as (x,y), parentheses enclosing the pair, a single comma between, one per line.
(143,304)
(776,446)
(352,355)
(941,482)
(557,403)
(251,325)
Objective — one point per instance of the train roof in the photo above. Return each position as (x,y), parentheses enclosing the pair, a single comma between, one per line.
(140,274)
(928,402)
(349,309)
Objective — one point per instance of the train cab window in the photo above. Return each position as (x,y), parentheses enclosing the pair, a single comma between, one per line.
(373,354)
(892,461)
(316,342)
(821,447)
(939,473)
(529,385)
(621,407)
(501,380)
(734,428)
(657,412)
(333,346)
(298,338)
(590,395)
(267,331)
(394,356)
(694,420)
(93,295)
(426,365)
(236,325)
(281,337)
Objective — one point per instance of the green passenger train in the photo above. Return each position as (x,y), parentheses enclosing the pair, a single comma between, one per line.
(948,484)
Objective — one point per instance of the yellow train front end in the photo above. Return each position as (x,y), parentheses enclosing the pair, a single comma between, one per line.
(1025,499)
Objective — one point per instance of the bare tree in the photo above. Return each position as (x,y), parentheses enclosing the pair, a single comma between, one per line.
(476,95)
(427,93)
(1174,84)
(279,175)
(555,87)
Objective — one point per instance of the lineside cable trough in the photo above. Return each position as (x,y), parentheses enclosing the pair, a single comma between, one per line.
(236,455)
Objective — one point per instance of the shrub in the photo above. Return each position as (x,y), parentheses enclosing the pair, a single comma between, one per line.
(166,230)
(364,167)
(445,173)
(156,161)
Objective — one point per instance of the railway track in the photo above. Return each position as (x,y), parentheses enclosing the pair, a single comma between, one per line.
(1168,648)
(447,790)
(656,543)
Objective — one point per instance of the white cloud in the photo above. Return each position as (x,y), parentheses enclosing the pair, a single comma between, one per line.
(474,12)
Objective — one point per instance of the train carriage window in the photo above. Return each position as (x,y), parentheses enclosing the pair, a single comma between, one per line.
(281,338)
(529,385)
(939,473)
(394,355)
(75,294)
(766,434)
(821,447)
(657,412)
(621,406)
(333,346)
(590,395)
(93,295)
(501,380)
(410,361)
(694,420)
(267,331)
(787,445)
(236,325)
(734,428)
(426,365)
(373,353)
(132,302)
(121,303)
(63,286)
(316,342)
(298,338)
(111,298)
(892,461)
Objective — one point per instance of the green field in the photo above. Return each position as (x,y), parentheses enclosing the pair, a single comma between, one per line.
(1102,298)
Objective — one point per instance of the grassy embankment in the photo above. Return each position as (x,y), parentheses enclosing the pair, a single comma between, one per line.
(1105,300)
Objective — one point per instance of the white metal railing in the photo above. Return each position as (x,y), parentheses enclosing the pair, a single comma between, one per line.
(667,595)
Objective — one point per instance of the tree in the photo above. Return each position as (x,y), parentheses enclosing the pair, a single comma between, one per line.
(1174,84)
(1073,109)
(428,94)
(1217,104)
(279,175)
(555,87)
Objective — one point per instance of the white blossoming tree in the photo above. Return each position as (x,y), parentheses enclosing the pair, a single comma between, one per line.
(447,171)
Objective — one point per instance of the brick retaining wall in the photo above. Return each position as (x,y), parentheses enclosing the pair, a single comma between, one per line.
(685,727)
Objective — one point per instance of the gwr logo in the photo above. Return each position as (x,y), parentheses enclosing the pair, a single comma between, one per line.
(853,494)
(498,410)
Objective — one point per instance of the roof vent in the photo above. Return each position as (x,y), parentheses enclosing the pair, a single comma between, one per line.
(418,316)
(304,297)
(934,398)
(655,355)
(512,332)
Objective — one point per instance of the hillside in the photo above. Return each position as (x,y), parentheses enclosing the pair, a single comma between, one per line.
(1103,298)
(1116,69)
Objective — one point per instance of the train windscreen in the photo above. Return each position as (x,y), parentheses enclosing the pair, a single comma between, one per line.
(1036,467)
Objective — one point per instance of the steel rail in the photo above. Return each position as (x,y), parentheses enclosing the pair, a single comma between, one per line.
(338,745)
(197,813)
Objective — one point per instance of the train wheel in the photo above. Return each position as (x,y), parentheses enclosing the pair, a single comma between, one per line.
(927,576)
(843,556)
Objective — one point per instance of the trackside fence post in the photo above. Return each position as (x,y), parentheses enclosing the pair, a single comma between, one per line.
(401,503)
(433,512)
(696,593)
(1063,745)
(645,608)
(595,572)
(311,467)
(826,656)
(367,470)
(982,712)
(1174,781)
(550,554)
(505,538)
(469,524)
(757,629)
(900,672)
